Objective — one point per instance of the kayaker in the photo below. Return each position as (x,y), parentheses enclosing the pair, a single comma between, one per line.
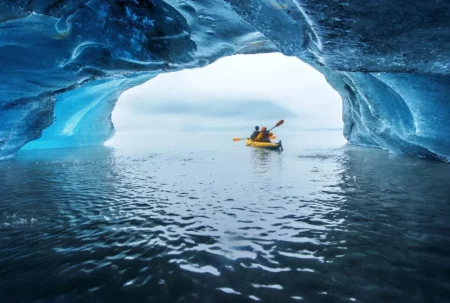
(264,135)
(255,134)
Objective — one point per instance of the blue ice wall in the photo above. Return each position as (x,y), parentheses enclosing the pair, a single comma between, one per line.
(404,113)
(83,115)
(64,63)
(428,99)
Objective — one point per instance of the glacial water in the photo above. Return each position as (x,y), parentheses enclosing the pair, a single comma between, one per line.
(167,217)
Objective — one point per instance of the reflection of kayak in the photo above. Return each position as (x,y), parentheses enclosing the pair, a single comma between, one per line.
(268,145)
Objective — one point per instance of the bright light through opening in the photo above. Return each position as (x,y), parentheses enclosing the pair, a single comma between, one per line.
(233,93)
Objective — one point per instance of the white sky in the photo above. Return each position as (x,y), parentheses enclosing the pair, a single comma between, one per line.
(238,90)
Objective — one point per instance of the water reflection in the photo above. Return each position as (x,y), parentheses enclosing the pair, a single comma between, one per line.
(114,225)
(266,162)
(396,212)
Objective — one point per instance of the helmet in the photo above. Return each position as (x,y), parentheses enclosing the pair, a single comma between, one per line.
(256,127)
(263,128)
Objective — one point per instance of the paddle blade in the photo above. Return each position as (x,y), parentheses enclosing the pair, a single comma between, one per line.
(237,139)
(279,123)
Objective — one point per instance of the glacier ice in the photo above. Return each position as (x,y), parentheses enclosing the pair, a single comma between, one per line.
(64,63)
(83,115)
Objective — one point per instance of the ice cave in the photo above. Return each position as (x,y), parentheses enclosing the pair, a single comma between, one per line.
(65,63)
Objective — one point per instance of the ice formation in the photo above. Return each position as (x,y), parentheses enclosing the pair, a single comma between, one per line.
(64,63)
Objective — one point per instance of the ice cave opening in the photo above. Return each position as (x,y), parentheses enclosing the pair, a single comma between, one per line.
(232,94)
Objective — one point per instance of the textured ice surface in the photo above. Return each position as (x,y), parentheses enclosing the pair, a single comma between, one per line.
(64,63)
(83,115)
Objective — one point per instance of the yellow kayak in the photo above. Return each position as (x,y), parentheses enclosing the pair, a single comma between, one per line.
(268,145)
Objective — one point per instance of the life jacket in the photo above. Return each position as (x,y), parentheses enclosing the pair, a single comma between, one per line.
(263,136)
(259,137)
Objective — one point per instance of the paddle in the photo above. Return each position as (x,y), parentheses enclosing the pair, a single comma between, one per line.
(239,139)
(278,124)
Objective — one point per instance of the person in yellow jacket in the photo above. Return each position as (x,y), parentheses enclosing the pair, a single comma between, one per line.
(264,135)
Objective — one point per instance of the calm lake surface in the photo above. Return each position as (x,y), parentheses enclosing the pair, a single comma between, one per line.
(167,217)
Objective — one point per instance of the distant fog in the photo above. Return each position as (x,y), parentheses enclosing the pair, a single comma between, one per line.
(232,93)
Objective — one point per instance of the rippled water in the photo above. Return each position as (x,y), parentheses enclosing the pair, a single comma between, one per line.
(209,220)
